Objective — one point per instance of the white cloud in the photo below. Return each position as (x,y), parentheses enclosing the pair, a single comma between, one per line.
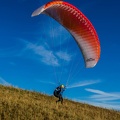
(103,99)
(64,55)
(83,83)
(104,96)
(46,55)
(3,82)
(54,31)
(113,105)
(52,83)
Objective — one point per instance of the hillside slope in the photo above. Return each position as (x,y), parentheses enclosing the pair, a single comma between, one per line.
(17,104)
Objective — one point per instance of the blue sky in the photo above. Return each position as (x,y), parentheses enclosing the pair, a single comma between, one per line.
(37,52)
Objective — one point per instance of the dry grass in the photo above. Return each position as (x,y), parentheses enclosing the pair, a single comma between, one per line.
(17,104)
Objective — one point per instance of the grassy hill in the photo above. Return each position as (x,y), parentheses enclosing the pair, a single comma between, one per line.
(17,104)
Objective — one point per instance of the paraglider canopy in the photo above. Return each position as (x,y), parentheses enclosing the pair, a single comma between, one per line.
(78,25)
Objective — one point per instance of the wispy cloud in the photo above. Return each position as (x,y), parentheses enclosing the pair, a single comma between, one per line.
(3,82)
(103,99)
(113,105)
(104,96)
(46,55)
(64,56)
(54,31)
(83,83)
(48,83)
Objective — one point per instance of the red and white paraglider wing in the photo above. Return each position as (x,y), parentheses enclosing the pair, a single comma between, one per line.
(78,25)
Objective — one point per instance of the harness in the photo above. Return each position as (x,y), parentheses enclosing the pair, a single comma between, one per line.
(57,92)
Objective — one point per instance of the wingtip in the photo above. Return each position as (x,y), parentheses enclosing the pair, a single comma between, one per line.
(32,15)
(38,11)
